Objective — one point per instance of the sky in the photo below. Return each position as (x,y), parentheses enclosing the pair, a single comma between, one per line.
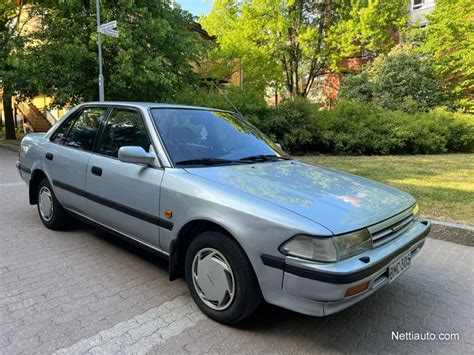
(196,7)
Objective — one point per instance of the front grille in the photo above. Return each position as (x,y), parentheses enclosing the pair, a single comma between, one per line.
(390,229)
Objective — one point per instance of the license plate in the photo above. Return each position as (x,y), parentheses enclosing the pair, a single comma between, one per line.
(399,266)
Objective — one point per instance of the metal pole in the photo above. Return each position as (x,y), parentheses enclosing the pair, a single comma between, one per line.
(101,77)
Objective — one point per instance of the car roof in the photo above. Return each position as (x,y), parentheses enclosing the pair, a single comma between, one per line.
(149,105)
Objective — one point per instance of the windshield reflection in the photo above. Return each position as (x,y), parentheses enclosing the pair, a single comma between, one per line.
(203,137)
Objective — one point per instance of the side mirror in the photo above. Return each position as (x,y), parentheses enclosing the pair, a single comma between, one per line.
(137,155)
(278,145)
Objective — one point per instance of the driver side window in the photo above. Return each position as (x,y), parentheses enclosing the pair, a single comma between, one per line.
(123,128)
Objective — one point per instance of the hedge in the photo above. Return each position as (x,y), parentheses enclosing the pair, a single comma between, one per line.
(356,128)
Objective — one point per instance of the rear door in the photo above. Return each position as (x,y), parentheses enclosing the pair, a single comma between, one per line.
(69,152)
(124,196)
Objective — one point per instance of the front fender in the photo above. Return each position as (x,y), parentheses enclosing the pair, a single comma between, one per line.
(257,225)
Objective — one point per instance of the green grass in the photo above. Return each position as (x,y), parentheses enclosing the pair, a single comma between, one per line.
(19,136)
(442,184)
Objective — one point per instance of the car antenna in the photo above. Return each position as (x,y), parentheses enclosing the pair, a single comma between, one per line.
(227,99)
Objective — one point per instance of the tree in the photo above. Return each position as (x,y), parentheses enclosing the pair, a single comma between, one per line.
(365,28)
(14,18)
(401,80)
(449,40)
(150,61)
(292,42)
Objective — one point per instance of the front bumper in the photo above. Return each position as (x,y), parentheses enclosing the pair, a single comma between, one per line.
(319,288)
(23,171)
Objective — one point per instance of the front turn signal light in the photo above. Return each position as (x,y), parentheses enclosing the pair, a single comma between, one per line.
(416,210)
(354,290)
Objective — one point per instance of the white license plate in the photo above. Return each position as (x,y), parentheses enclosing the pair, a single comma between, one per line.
(399,266)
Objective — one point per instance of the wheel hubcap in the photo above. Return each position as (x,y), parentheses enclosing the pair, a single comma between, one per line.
(213,279)
(45,203)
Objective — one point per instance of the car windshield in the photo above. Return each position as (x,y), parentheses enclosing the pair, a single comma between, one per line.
(204,137)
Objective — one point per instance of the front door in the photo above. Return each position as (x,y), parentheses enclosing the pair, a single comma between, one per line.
(124,196)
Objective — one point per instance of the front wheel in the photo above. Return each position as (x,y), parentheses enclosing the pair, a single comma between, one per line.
(220,278)
(50,211)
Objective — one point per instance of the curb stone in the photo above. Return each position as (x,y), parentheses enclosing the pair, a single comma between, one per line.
(452,234)
(10,147)
(452,225)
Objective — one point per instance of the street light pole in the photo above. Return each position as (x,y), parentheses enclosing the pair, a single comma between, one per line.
(101,76)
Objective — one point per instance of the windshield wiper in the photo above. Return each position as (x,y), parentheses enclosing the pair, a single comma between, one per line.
(264,157)
(208,161)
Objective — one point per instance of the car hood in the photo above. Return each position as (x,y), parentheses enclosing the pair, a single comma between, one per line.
(339,201)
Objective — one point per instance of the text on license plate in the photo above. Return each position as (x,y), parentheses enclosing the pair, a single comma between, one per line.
(399,266)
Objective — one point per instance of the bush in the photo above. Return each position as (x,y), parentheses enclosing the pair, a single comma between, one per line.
(401,80)
(356,128)
(360,128)
(292,124)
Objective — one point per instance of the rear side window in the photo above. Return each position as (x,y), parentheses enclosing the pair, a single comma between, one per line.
(60,136)
(83,132)
(123,128)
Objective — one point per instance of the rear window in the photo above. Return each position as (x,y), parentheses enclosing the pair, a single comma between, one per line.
(61,134)
(83,133)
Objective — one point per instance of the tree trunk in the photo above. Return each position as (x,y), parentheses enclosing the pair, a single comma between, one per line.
(9,121)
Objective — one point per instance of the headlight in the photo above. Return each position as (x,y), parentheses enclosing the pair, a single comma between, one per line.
(328,249)
(353,243)
(311,248)
(416,210)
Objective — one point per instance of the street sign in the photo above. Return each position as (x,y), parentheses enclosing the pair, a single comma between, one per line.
(108,25)
(113,33)
(109,29)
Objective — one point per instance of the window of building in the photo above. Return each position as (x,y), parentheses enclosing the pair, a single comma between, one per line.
(417,4)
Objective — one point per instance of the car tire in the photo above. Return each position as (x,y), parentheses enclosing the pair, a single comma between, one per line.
(216,258)
(50,210)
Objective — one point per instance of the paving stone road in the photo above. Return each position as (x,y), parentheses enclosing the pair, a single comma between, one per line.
(82,291)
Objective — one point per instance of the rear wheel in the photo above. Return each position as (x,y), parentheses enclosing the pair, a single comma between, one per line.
(50,211)
(220,278)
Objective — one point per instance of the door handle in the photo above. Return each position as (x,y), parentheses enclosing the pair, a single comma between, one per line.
(49,156)
(95,170)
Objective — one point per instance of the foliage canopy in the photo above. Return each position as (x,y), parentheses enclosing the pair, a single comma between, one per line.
(290,42)
(150,61)
(449,41)
(13,18)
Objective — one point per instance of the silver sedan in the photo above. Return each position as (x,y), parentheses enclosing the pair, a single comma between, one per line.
(236,216)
